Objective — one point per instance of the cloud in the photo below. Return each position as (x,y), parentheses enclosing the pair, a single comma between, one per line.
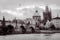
(14,13)
(28,11)
(21,12)
(54,7)
(30,6)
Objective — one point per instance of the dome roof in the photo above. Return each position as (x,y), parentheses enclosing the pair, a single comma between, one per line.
(36,13)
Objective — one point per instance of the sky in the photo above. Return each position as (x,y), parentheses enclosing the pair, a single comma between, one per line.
(22,9)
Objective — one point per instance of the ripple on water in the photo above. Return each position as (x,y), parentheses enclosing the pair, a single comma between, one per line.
(55,36)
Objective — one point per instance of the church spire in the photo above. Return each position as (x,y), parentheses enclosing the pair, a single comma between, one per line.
(47,9)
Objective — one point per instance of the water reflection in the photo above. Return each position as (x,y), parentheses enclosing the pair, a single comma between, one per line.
(48,36)
(44,36)
(55,36)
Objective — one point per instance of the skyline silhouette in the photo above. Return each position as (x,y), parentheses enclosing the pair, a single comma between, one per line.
(22,9)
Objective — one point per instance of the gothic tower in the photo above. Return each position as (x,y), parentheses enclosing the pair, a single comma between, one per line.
(47,14)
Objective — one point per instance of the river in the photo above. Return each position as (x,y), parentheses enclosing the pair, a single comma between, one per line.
(55,36)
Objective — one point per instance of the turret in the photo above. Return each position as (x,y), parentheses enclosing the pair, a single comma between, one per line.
(3,21)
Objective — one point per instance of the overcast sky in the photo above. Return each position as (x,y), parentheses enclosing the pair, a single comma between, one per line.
(26,8)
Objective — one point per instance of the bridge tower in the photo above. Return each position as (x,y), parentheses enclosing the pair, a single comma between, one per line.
(3,21)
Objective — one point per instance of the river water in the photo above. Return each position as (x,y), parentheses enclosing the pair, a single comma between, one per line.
(55,36)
